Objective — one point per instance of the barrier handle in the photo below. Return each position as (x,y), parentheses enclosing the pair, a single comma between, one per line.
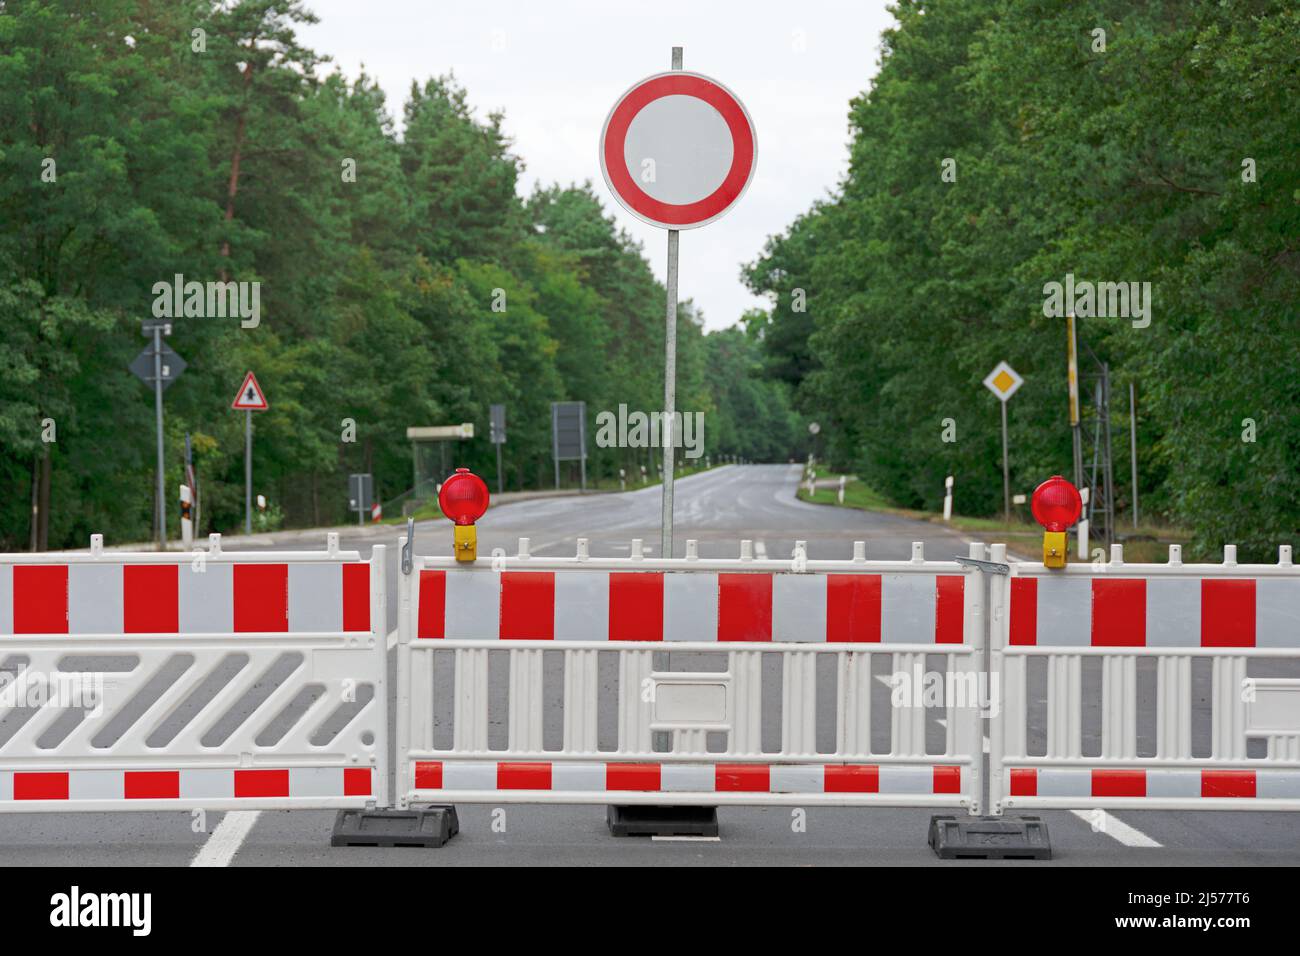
(408,547)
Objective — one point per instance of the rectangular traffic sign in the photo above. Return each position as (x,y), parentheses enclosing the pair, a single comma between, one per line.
(360,492)
(498,424)
(568,430)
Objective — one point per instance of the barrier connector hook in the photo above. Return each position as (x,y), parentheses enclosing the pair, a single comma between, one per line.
(408,546)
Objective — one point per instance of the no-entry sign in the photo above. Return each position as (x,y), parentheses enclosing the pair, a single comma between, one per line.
(678,149)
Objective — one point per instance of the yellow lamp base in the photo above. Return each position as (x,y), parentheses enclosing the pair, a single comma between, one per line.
(1055,549)
(466,542)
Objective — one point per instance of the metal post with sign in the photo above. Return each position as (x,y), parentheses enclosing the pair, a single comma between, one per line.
(497,430)
(360,492)
(1004,382)
(160,366)
(677,151)
(569,437)
(250,398)
(1072,378)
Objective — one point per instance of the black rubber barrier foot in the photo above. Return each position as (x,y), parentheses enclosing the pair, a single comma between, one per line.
(662,821)
(990,838)
(424,827)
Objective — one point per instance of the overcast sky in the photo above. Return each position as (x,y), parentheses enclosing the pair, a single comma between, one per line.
(556,67)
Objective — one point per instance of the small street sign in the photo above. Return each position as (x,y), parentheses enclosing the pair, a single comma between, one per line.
(497,432)
(170,370)
(361,497)
(250,397)
(148,325)
(1003,381)
(497,426)
(158,366)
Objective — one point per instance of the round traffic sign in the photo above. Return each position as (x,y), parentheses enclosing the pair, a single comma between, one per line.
(678,149)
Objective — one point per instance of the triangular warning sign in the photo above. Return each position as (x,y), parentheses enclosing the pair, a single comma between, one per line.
(249,398)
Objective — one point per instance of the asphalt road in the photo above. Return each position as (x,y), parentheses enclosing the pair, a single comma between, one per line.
(717,508)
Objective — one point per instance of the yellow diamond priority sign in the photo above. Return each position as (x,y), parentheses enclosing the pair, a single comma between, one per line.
(1003,381)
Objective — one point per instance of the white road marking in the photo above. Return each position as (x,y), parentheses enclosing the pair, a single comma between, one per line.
(226,839)
(686,839)
(392,639)
(1113,826)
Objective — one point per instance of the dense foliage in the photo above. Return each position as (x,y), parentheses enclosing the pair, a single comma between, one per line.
(1119,156)
(200,138)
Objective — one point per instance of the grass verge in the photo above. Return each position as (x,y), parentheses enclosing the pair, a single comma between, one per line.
(1145,544)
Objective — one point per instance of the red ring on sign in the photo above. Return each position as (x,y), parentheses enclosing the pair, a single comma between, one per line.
(742,156)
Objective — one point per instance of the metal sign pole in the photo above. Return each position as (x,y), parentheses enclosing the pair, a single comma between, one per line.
(248,471)
(582,447)
(1133,444)
(1006,472)
(1072,377)
(555,442)
(670,377)
(158,415)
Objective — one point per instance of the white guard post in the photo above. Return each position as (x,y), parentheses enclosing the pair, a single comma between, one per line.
(1124,656)
(494,643)
(213,680)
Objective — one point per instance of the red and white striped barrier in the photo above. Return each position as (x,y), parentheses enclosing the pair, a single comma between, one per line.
(209,680)
(692,606)
(1172,784)
(735,613)
(123,595)
(1126,642)
(532,780)
(201,786)
(1118,610)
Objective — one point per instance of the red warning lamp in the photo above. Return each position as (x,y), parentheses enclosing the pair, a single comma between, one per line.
(464,498)
(1056,505)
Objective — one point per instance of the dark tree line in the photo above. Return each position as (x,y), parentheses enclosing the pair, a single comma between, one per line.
(1008,143)
(403,281)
